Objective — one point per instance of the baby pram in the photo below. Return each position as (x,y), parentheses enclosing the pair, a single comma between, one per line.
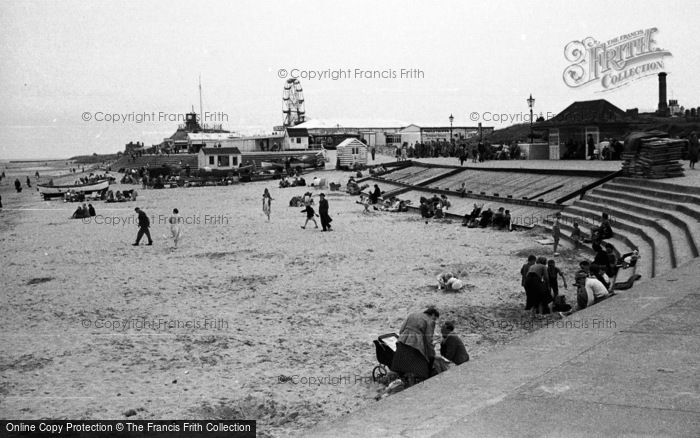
(385,346)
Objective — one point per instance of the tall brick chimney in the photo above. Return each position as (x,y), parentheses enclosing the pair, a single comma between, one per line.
(663,105)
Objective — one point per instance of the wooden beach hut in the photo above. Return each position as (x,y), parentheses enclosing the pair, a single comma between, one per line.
(350,152)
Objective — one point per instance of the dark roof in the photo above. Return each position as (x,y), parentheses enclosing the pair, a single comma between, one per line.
(297,132)
(179,135)
(221,151)
(589,111)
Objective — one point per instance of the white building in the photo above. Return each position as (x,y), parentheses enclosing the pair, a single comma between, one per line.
(350,152)
(219,158)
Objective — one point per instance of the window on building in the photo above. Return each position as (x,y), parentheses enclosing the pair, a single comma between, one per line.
(224,161)
(234,161)
(393,138)
(298,140)
(211,160)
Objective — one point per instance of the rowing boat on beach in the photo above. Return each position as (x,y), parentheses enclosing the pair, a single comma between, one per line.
(54,191)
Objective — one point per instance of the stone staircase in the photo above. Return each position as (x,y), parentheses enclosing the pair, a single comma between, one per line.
(662,220)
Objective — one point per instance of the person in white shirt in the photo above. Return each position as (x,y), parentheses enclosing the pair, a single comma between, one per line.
(597,288)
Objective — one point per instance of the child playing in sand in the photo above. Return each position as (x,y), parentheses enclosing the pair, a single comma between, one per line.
(443,278)
(310,213)
(175,231)
(448,281)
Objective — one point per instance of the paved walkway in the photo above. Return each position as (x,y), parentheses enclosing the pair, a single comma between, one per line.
(691,178)
(629,366)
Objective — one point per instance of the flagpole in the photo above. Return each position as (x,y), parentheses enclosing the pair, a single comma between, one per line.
(201,113)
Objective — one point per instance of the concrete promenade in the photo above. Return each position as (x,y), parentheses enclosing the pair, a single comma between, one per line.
(629,366)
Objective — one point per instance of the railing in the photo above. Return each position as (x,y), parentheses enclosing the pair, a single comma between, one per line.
(582,191)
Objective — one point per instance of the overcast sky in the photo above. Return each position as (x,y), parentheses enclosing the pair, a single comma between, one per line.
(61,59)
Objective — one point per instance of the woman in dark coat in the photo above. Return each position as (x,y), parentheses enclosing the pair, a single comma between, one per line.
(693,149)
(414,350)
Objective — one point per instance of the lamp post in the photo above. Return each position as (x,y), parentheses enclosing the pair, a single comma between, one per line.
(451,120)
(531,103)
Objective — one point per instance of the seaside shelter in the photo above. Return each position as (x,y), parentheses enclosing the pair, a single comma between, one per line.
(350,152)
(219,158)
(571,129)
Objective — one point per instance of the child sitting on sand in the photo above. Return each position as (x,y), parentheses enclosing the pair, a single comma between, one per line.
(452,349)
(448,281)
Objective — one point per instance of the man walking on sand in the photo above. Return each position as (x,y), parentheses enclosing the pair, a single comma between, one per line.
(323,212)
(144,223)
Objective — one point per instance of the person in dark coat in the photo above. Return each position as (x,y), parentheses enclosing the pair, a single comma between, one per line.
(693,150)
(374,196)
(144,224)
(537,288)
(323,213)
(18,185)
(29,182)
(415,354)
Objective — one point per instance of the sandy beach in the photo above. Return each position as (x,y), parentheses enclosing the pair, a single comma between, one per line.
(246,318)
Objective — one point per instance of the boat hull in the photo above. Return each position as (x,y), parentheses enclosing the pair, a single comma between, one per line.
(60,191)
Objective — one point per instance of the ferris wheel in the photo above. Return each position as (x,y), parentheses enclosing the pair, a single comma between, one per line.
(293,103)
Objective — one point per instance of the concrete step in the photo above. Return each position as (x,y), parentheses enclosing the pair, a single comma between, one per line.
(621,242)
(658,193)
(650,200)
(655,184)
(658,246)
(682,224)
(673,236)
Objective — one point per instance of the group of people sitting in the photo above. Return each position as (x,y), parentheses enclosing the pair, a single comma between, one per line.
(595,281)
(481,218)
(434,207)
(119,196)
(375,171)
(416,358)
(302,201)
(84,211)
(353,188)
(296,181)
(392,204)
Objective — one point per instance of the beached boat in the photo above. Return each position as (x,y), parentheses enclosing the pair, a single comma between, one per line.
(309,161)
(54,191)
(269,165)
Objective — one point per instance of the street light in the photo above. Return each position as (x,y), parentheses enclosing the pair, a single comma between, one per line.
(451,119)
(531,103)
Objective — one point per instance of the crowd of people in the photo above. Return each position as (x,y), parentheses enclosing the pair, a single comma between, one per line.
(463,150)
(595,280)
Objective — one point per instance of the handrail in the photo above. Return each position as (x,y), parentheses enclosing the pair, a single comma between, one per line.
(582,191)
